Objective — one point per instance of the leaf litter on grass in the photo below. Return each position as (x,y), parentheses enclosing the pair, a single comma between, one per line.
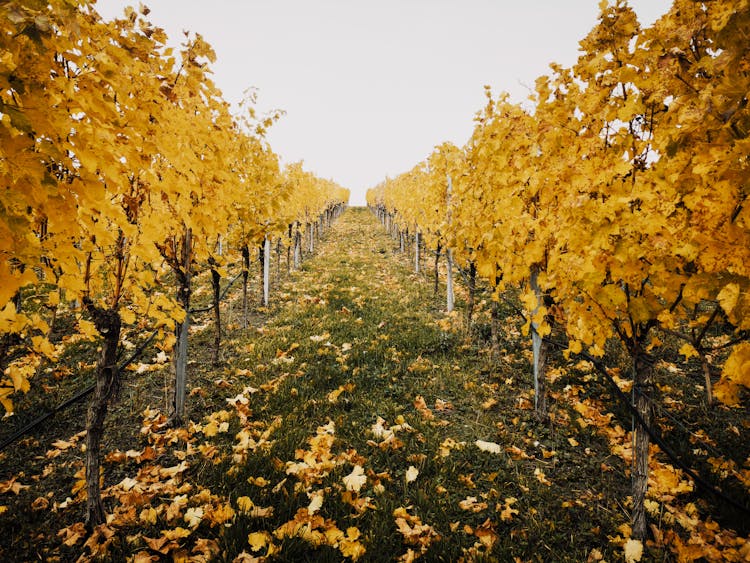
(359,422)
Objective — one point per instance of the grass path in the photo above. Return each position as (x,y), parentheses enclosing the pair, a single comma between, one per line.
(355,385)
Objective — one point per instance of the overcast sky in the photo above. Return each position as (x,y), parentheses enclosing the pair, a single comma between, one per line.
(369,87)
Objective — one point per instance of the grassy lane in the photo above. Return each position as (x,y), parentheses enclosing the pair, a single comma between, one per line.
(363,415)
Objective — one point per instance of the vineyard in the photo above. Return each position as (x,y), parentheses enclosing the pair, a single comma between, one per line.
(534,347)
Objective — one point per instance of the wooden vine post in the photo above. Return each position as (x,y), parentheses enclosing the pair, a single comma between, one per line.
(539,349)
(266,257)
(449,295)
(182,329)
(416,249)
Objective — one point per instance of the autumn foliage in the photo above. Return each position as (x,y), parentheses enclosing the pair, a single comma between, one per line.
(123,168)
(614,202)
(609,212)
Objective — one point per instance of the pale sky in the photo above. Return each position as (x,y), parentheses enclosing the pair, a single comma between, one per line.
(369,87)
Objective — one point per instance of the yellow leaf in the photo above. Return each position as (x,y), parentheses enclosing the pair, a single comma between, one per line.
(43,346)
(221,514)
(258,481)
(5,393)
(167,341)
(333,396)
(472,504)
(575,346)
(210,429)
(541,477)
(245,504)
(158,544)
(175,534)
(666,479)
(724,390)
(7,316)
(411,474)
(421,405)
(258,540)
(40,503)
(127,316)
(349,546)
(688,351)
(145,557)
(728,297)
(489,403)
(53,298)
(148,515)
(333,536)
(507,511)
(19,375)
(315,503)
(87,329)
(72,534)
(737,367)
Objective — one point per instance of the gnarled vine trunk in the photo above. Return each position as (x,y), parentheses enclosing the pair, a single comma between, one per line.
(216,287)
(437,267)
(297,248)
(472,294)
(642,377)
(108,323)
(495,329)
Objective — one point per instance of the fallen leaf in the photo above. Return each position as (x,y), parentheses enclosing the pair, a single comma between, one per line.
(258,540)
(541,477)
(507,512)
(194,516)
(316,502)
(633,550)
(72,534)
(175,534)
(258,481)
(40,503)
(421,405)
(489,403)
(490,447)
(12,486)
(148,515)
(144,557)
(472,504)
(356,479)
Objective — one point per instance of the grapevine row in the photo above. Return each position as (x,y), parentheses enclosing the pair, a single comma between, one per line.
(124,173)
(615,202)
